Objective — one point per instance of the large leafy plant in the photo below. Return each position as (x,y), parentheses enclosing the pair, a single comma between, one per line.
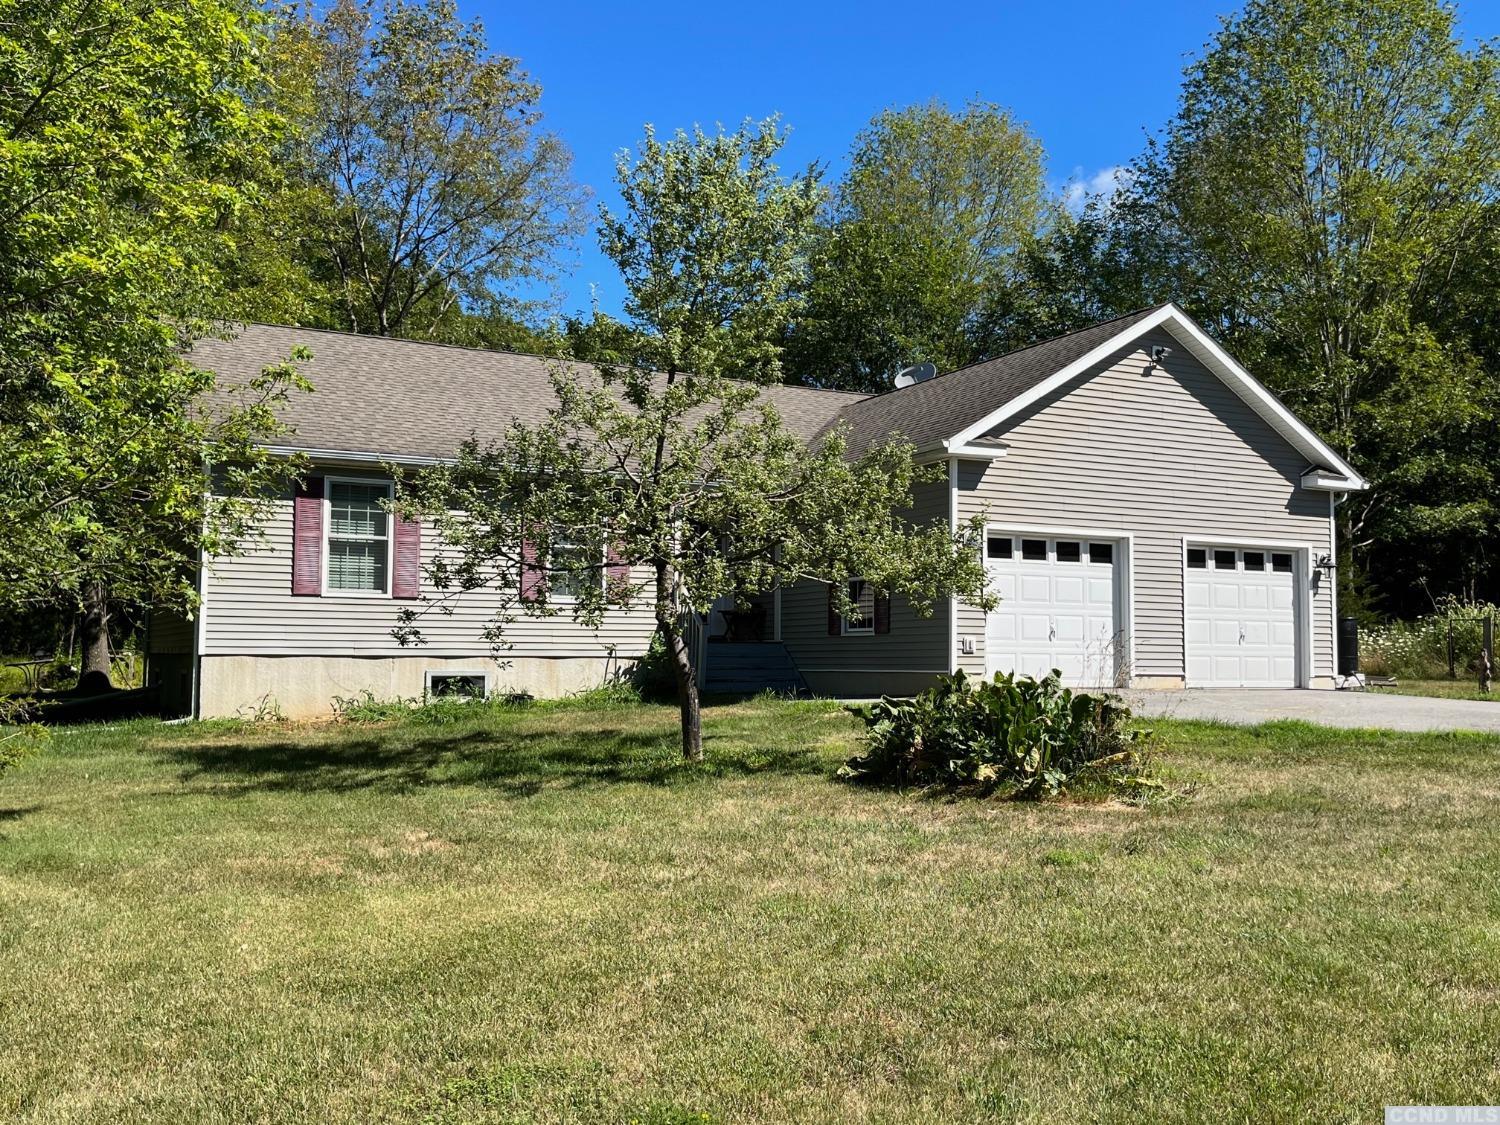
(1016,734)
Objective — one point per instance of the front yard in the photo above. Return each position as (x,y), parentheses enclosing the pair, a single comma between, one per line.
(540,916)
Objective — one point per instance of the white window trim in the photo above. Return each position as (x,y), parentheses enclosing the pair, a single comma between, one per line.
(1123,564)
(390,538)
(869,631)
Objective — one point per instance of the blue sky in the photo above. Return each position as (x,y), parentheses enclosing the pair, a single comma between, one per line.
(1089,77)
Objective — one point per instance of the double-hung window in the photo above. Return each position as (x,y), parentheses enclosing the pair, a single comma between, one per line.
(575,566)
(359,536)
(861,619)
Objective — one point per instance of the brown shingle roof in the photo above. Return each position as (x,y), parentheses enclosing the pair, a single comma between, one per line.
(409,398)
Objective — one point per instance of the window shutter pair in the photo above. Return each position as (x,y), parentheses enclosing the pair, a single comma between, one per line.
(534,575)
(307,546)
(882,614)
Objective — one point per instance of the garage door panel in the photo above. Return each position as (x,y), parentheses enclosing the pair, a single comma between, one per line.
(1068,591)
(1055,612)
(1035,627)
(1239,620)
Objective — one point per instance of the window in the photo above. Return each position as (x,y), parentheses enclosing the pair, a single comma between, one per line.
(862,596)
(1069,551)
(457,685)
(574,566)
(358,536)
(1101,552)
(1282,564)
(1033,549)
(1197,558)
(999,546)
(1255,560)
(1223,560)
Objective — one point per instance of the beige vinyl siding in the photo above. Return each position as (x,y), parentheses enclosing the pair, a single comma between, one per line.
(1162,454)
(914,644)
(251,611)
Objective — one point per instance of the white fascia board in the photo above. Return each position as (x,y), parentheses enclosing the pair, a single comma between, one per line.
(1338,476)
(351,457)
(1321,480)
(948,450)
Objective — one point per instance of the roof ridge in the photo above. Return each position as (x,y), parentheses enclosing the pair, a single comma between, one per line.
(858,395)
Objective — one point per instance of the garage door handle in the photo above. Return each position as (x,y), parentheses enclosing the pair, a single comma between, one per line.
(1052,631)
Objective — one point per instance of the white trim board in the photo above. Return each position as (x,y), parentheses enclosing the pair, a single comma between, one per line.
(1341,478)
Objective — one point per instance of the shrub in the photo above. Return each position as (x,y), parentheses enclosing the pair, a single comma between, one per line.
(1419,649)
(1014,735)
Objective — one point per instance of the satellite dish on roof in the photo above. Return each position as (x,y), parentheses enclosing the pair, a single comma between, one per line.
(908,376)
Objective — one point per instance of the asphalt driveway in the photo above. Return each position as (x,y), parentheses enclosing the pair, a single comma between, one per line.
(1330,708)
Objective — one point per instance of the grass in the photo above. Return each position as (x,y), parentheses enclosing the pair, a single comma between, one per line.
(1466,688)
(540,915)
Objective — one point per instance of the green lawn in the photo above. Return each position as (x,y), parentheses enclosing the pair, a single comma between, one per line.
(542,917)
(1465,688)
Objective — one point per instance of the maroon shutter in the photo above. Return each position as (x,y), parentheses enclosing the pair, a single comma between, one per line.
(533,577)
(616,574)
(407,581)
(835,619)
(882,613)
(307,538)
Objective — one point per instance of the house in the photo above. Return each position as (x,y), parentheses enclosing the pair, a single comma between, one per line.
(1155,517)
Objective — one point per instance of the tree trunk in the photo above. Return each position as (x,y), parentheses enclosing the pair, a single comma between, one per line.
(95,674)
(687,695)
(668,623)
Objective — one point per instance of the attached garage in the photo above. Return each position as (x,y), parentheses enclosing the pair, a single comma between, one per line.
(1063,604)
(1241,615)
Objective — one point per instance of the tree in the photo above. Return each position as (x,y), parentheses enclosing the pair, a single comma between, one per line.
(441,188)
(128,135)
(1079,270)
(1331,169)
(670,462)
(927,220)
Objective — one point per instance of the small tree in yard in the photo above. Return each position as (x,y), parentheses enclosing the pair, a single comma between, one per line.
(665,473)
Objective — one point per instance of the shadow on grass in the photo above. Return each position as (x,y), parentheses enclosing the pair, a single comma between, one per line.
(517,762)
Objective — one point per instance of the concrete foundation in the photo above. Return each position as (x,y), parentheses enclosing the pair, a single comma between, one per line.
(304,687)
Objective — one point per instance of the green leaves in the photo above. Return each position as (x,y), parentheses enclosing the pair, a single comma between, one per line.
(924,226)
(1015,734)
(127,128)
(667,454)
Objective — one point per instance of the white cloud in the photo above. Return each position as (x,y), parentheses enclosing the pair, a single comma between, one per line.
(1106,182)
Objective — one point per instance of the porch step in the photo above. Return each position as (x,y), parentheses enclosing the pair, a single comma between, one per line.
(745,669)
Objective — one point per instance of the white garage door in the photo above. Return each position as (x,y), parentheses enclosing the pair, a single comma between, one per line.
(1241,617)
(1057,607)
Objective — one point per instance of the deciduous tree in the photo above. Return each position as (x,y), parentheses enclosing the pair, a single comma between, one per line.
(663,472)
(926,222)
(129,142)
(446,198)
